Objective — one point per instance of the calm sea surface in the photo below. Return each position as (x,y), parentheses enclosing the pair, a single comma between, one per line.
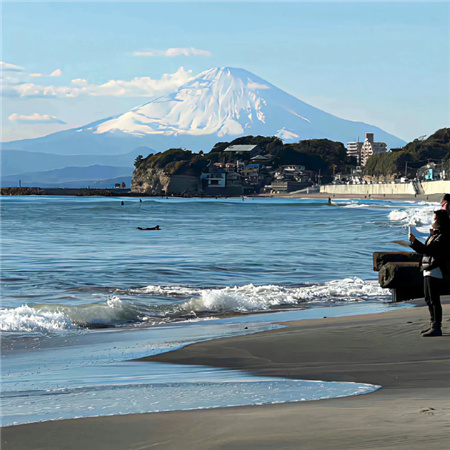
(84,292)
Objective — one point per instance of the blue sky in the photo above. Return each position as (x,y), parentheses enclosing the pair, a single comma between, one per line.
(65,64)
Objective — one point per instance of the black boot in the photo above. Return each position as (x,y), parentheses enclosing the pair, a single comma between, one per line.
(435,331)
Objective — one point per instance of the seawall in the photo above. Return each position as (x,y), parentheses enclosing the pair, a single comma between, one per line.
(422,188)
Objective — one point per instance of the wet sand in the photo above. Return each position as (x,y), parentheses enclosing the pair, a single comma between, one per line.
(412,410)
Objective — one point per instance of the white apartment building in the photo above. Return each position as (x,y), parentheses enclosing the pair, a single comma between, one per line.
(354,149)
(364,150)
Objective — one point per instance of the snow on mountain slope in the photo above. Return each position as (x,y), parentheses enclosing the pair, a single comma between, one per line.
(219,101)
(228,102)
(219,104)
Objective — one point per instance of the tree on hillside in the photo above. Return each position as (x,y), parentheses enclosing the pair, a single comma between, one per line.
(436,148)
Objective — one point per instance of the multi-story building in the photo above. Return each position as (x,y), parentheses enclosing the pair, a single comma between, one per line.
(354,149)
(364,150)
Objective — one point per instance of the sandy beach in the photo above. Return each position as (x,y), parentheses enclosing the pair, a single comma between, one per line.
(412,410)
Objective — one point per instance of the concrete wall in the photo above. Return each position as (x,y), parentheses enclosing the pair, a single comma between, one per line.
(369,189)
(426,187)
(435,187)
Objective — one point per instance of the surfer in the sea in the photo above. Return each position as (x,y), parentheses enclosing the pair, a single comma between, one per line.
(149,229)
(331,203)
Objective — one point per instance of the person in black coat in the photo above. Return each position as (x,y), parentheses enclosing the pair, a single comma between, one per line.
(436,253)
(445,203)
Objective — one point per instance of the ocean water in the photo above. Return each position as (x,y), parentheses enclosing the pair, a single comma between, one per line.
(84,293)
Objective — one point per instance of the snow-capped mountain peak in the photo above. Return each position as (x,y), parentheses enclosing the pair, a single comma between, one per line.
(221,101)
(220,104)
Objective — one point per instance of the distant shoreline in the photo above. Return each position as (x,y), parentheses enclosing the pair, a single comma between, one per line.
(89,192)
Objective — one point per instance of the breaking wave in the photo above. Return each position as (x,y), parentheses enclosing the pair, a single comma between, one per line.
(261,298)
(419,216)
(185,303)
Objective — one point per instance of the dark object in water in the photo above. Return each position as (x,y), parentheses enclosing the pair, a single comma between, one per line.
(400,272)
(149,229)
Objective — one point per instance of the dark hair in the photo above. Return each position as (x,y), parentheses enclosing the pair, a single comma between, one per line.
(443,220)
(446,198)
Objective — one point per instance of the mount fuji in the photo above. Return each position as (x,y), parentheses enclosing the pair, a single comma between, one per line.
(219,104)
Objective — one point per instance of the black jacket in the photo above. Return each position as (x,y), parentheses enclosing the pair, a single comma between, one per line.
(435,253)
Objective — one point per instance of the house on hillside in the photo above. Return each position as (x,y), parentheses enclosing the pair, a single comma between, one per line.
(247,150)
(234,184)
(290,178)
(431,172)
(214,181)
(262,159)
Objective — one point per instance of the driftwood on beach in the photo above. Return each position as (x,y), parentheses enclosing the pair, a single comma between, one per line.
(400,272)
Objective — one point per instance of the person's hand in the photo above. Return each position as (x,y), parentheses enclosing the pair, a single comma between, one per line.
(411,237)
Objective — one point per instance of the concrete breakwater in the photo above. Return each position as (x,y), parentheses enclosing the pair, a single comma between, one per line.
(412,188)
(63,191)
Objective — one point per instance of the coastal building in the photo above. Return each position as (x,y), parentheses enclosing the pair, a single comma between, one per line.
(214,182)
(250,174)
(431,172)
(354,150)
(370,148)
(222,180)
(362,151)
(230,167)
(247,150)
(233,184)
(289,178)
(240,165)
(262,159)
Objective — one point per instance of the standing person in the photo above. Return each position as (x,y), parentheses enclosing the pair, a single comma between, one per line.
(436,252)
(445,203)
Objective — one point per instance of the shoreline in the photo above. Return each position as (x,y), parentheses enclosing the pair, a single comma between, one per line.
(69,192)
(410,411)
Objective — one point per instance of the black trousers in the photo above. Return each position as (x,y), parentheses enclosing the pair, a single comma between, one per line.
(432,290)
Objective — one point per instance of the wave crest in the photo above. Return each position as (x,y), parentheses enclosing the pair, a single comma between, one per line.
(259,298)
(199,302)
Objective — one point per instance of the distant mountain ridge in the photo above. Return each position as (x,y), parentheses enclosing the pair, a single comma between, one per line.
(217,105)
(14,162)
(75,177)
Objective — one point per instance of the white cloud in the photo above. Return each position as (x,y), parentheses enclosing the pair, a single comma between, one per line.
(10,67)
(171,52)
(56,73)
(80,82)
(34,118)
(137,87)
(35,75)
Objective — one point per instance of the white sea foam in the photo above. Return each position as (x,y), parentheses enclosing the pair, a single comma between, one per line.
(54,318)
(420,218)
(27,319)
(170,291)
(259,298)
(249,298)
(356,205)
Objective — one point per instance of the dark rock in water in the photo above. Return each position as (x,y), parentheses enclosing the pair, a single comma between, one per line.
(400,272)
(381,258)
